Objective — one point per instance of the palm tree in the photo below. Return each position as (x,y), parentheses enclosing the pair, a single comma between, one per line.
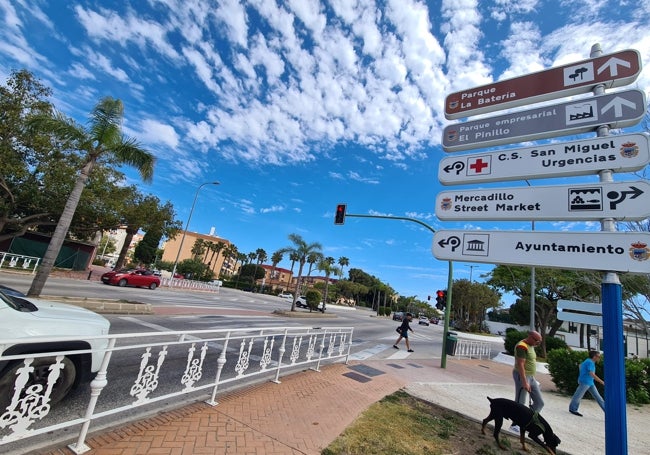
(301,250)
(229,252)
(293,257)
(198,249)
(260,255)
(343,261)
(276,258)
(103,137)
(252,255)
(327,266)
(312,259)
(216,248)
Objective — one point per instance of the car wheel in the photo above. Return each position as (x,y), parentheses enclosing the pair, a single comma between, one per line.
(153,286)
(122,282)
(40,374)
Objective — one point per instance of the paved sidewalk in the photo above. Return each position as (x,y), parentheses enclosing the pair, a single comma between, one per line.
(308,410)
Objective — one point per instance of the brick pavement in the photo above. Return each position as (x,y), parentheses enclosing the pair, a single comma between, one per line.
(301,415)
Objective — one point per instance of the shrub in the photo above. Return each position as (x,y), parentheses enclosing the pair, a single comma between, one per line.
(313,299)
(515,336)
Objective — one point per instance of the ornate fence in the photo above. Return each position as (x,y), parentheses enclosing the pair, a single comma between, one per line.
(18,261)
(472,349)
(146,368)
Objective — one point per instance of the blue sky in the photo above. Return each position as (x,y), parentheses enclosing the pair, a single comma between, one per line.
(296,106)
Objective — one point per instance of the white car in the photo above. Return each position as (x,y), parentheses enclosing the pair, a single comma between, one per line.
(24,322)
(286,295)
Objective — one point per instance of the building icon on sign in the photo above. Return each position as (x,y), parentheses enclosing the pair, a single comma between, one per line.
(476,244)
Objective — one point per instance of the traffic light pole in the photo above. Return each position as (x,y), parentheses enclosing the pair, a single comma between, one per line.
(443,357)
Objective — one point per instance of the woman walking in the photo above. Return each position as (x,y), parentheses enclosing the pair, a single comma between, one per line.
(403,331)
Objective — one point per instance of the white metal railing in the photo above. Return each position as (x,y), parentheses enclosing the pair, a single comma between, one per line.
(140,366)
(189,284)
(472,349)
(16,261)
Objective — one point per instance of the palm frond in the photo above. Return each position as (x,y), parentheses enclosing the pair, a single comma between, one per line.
(128,151)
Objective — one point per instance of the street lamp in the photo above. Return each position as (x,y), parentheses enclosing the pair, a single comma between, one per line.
(187,225)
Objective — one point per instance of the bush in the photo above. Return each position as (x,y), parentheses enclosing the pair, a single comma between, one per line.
(637,372)
(514,336)
(313,299)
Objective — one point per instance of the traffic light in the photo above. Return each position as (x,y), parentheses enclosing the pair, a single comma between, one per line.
(339,217)
(441,299)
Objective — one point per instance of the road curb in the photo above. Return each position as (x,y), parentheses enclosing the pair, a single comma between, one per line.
(105,306)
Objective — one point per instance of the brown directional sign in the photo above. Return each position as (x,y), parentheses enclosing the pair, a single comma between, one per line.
(612,70)
(580,116)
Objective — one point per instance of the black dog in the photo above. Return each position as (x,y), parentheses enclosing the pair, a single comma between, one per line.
(526,419)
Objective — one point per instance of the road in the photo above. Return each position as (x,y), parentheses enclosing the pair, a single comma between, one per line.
(183,310)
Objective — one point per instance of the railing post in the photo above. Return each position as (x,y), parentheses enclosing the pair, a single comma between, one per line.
(280,356)
(96,387)
(221,361)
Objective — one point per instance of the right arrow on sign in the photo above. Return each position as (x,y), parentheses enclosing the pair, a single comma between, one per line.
(616,200)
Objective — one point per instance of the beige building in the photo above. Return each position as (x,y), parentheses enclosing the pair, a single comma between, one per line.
(216,260)
(276,278)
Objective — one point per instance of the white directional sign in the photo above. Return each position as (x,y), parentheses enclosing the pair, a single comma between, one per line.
(620,201)
(613,70)
(589,313)
(616,110)
(611,251)
(622,153)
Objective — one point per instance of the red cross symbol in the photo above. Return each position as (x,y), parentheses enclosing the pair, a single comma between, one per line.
(478,165)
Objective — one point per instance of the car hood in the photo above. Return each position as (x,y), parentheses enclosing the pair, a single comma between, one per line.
(48,310)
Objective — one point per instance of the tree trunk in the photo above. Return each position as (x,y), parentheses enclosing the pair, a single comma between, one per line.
(125,248)
(56,242)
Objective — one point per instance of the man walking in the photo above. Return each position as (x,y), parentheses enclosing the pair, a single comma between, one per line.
(586,380)
(403,331)
(524,373)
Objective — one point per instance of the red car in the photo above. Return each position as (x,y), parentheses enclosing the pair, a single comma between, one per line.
(132,277)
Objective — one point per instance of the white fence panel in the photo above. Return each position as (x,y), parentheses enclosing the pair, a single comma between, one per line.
(132,366)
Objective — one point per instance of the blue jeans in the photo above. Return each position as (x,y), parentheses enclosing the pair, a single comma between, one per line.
(580,392)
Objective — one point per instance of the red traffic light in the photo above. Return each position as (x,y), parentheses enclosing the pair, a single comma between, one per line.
(339,216)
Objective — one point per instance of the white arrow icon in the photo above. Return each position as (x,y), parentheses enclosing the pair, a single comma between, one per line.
(618,103)
(612,64)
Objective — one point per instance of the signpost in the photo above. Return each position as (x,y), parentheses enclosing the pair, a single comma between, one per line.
(607,250)
(580,312)
(616,110)
(615,251)
(623,153)
(619,201)
(613,70)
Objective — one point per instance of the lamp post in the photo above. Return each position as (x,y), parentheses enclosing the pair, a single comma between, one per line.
(187,225)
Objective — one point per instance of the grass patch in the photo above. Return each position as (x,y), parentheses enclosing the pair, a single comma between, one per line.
(401,424)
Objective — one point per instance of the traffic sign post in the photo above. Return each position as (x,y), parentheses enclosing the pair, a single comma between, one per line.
(580,312)
(619,201)
(613,251)
(616,110)
(613,70)
(623,153)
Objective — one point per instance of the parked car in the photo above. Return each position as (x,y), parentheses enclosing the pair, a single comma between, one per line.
(30,320)
(286,295)
(132,277)
(398,316)
(423,320)
(301,302)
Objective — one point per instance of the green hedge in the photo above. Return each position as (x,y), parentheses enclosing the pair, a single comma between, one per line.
(514,336)
(563,365)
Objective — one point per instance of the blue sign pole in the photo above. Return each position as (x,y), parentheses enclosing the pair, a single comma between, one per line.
(614,358)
